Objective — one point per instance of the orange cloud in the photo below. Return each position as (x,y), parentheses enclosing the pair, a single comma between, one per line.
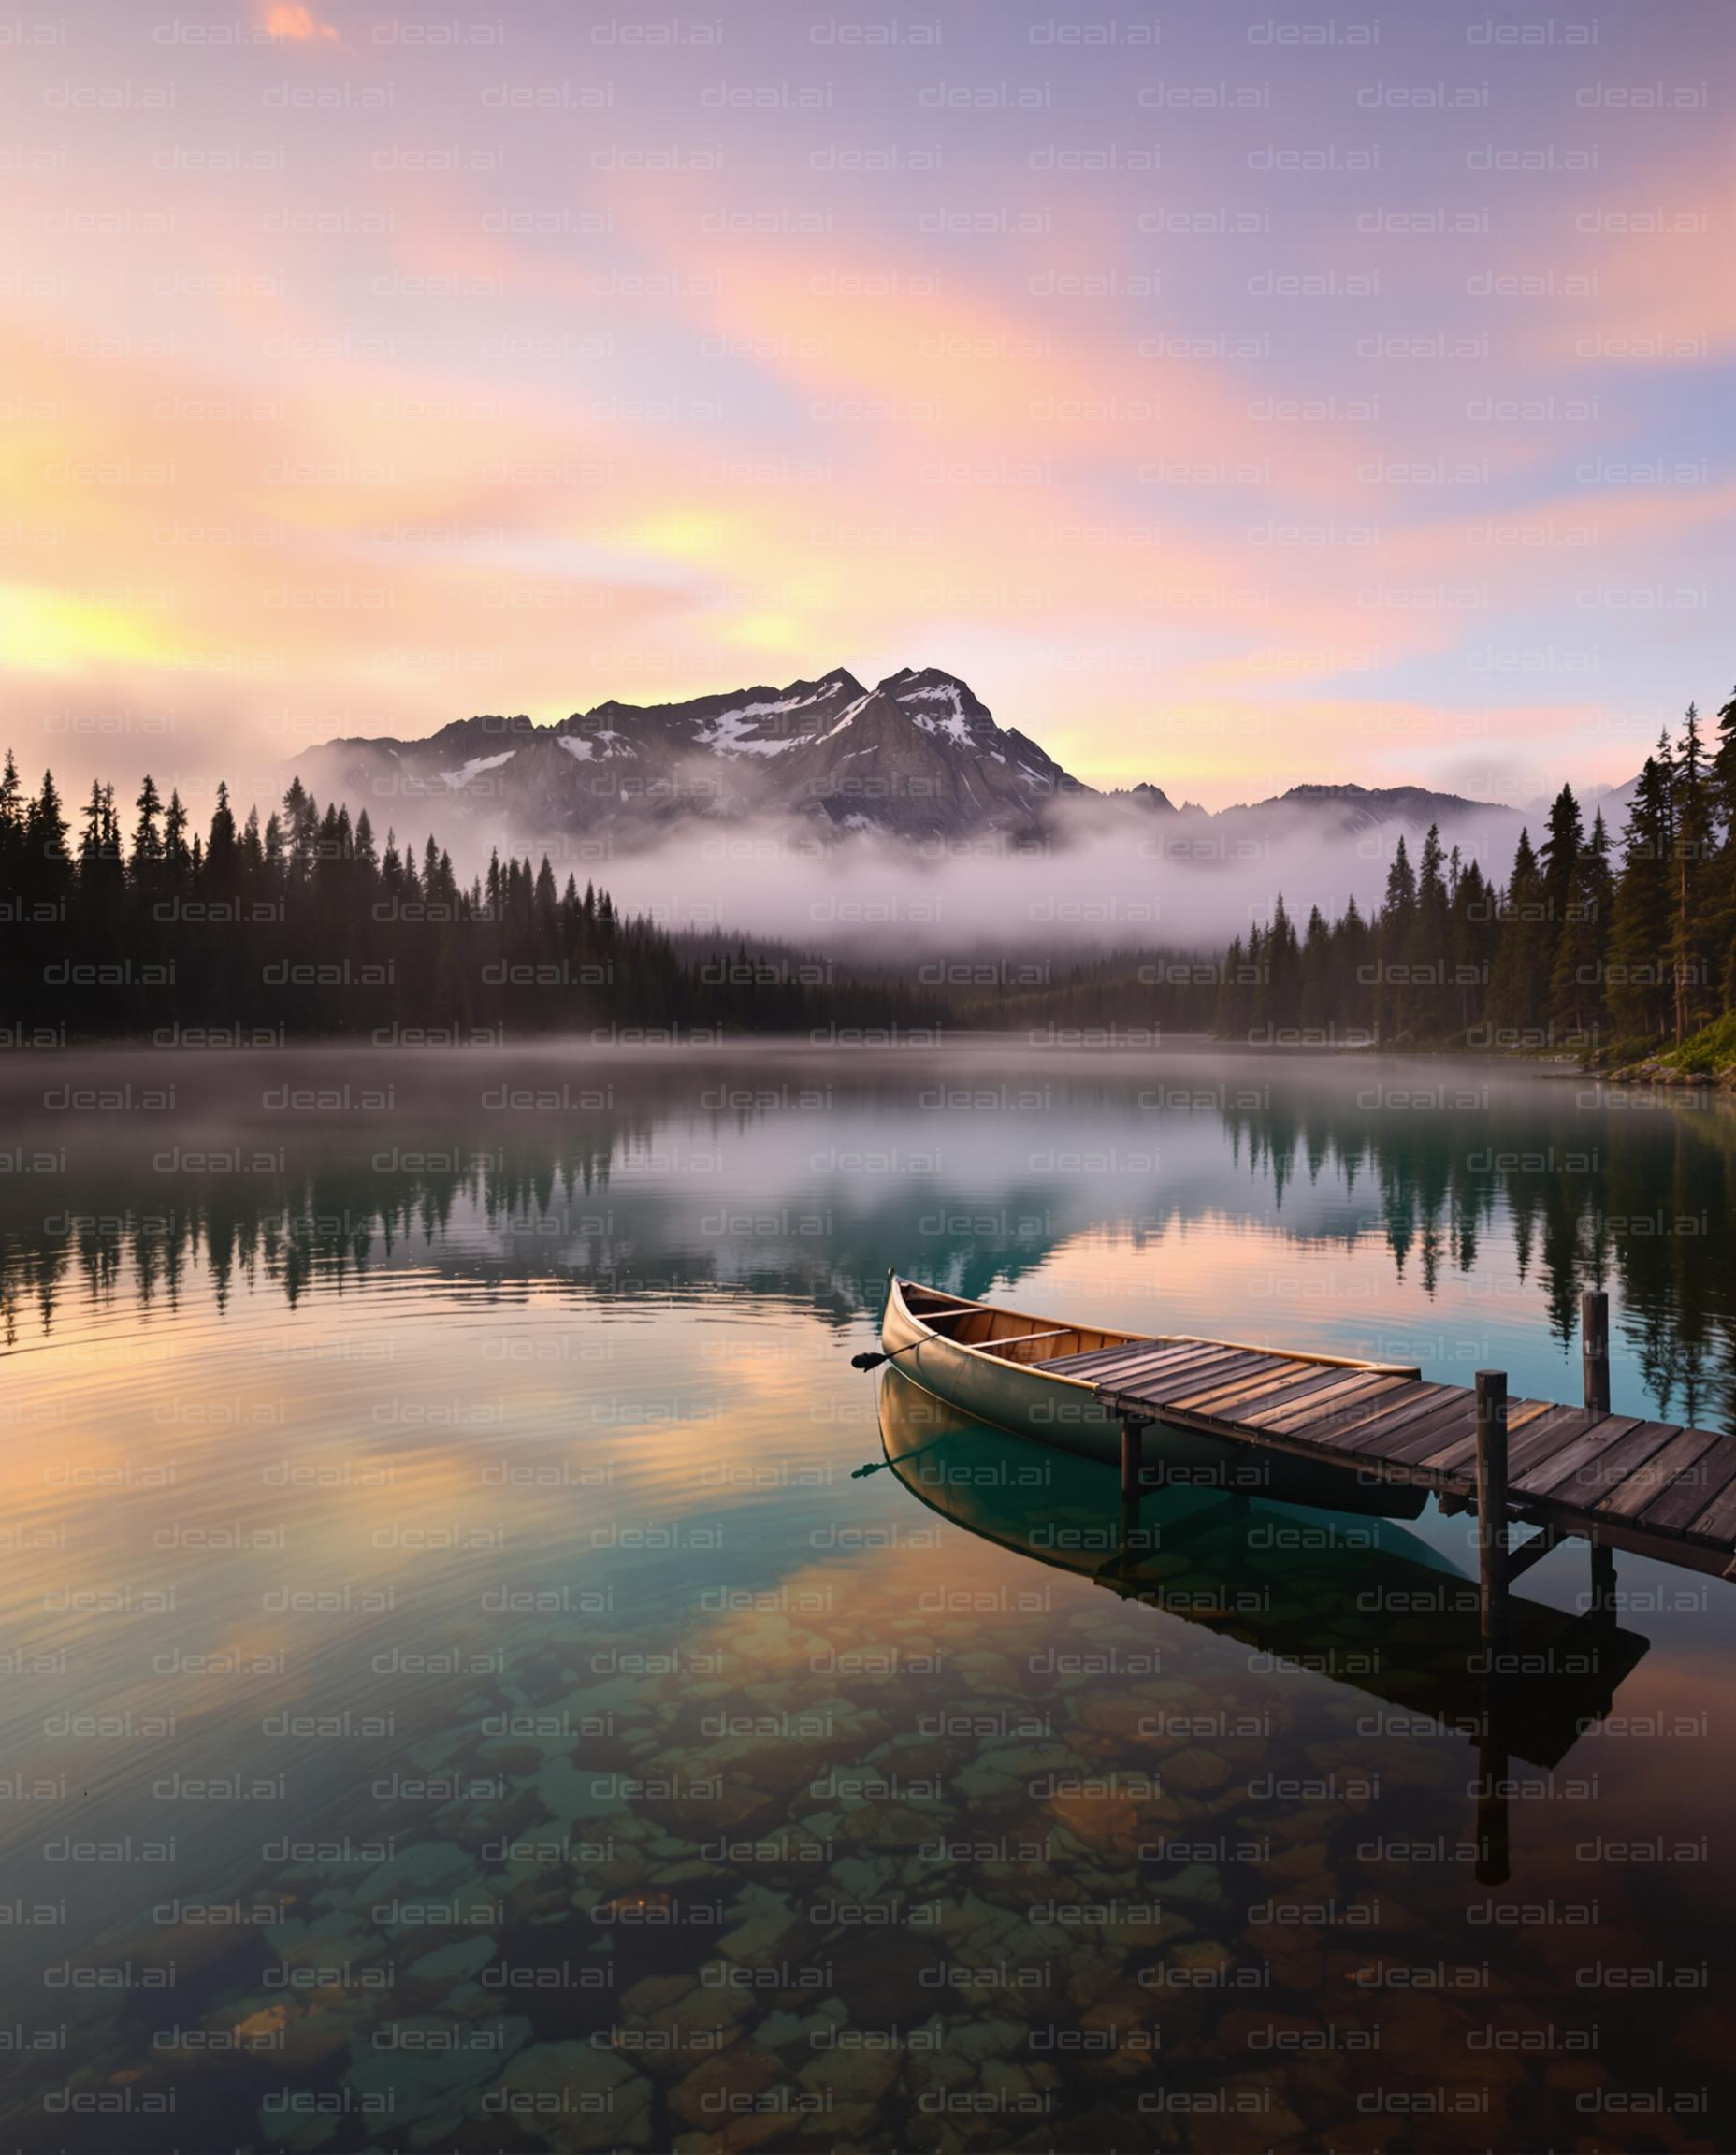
(298,24)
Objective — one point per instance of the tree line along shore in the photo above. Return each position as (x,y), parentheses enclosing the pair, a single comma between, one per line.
(1617,948)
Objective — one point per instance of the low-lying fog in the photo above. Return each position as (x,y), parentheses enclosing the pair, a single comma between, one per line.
(1105,876)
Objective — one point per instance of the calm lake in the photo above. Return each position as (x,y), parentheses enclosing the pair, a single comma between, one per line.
(460,1690)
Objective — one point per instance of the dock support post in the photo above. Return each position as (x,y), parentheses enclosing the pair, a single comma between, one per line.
(1492,1498)
(1132,1460)
(1602,1583)
(1593,1347)
(1494,1866)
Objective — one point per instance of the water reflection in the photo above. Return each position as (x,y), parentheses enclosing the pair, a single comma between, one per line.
(451,1669)
(796,1173)
(1335,1588)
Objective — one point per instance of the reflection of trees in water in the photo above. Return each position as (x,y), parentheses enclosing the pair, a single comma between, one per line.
(1640,1200)
(1637,1197)
(124,1232)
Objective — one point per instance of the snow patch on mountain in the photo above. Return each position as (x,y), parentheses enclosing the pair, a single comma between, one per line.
(955,725)
(845,718)
(598,746)
(476,765)
(730,734)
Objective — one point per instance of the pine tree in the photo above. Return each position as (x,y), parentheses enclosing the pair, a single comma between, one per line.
(1578,1001)
(1355,967)
(1283,959)
(1520,976)
(220,847)
(11,824)
(1690,954)
(1640,975)
(1472,936)
(1392,999)
(1721,896)
(1722,774)
(1427,949)
(1558,859)
(1316,1002)
(90,843)
(45,839)
(174,854)
(147,839)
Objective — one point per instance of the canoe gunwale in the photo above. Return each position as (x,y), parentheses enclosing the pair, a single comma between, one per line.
(895,1299)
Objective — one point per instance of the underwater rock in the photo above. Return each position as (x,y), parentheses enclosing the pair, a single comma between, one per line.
(578,2096)
(426,2063)
(980,2040)
(708,2094)
(1197,1772)
(454,1963)
(335,1938)
(709,2011)
(769,1931)
(1199,1888)
(849,2076)
(425,1869)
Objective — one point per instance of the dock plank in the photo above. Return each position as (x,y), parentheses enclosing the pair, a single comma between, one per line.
(1296,1385)
(1537,1475)
(1245,1390)
(1417,1431)
(1718,1522)
(1673,1508)
(1593,1479)
(1455,1460)
(1135,1379)
(1652,1477)
(1383,1418)
(1154,1361)
(1450,1453)
(1186,1390)
(1545,1437)
(1331,1409)
(1309,1393)
(1108,1358)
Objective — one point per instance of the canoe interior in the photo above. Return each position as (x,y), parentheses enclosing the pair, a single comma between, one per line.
(1014,1337)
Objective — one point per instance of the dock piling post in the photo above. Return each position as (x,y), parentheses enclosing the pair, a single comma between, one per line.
(1492,1498)
(1494,1865)
(1133,1459)
(1602,1583)
(1594,1346)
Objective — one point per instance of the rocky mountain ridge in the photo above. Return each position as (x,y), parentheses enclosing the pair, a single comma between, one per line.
(918,757)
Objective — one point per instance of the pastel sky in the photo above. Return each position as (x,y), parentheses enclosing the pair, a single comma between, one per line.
(1234,397)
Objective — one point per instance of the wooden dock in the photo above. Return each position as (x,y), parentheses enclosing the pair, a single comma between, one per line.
(1617,1481)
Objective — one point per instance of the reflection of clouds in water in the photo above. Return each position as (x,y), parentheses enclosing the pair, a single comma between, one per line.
(1438,1210)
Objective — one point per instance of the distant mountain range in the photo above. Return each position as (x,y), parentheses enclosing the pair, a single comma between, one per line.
(918,758)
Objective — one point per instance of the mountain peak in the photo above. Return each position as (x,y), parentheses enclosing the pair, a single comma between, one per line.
(918,757)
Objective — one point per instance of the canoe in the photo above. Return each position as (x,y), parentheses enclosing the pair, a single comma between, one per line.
(994,1365)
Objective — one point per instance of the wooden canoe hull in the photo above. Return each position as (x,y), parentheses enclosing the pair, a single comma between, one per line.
(1048,1408)
(1021,1398)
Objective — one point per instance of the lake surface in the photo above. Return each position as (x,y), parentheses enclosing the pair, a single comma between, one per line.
(461,1693)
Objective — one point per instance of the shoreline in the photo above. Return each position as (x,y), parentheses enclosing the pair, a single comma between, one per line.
(659,1043)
